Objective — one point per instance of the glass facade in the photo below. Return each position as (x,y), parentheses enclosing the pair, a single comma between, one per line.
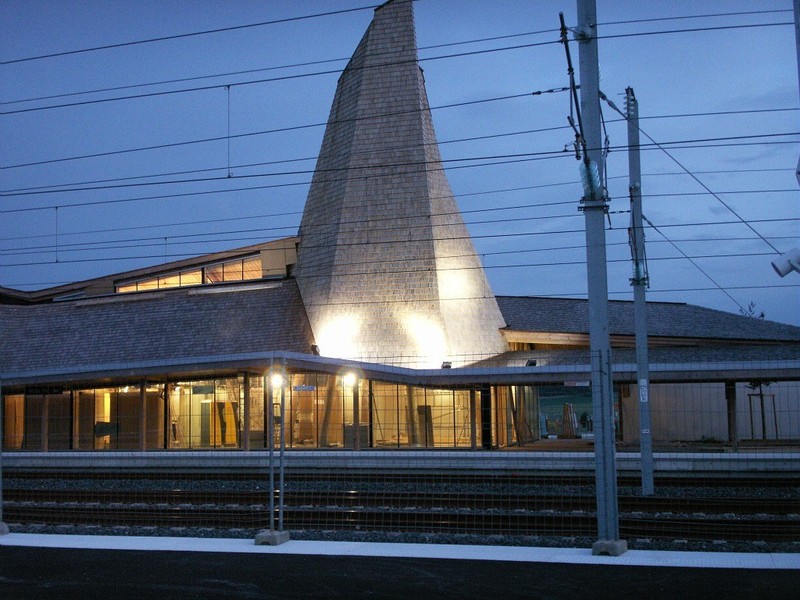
(320,410)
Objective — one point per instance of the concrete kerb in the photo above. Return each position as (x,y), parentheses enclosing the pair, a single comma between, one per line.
(609,548)
(271,537)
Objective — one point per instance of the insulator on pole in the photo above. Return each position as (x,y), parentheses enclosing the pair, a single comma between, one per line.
(590,178)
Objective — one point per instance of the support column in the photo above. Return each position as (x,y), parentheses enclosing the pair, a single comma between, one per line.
(412,418)
(143,416)
(45,421)
(473,421)
(356,417)
(75,440)
(486,418)
(246,426)
(730,400)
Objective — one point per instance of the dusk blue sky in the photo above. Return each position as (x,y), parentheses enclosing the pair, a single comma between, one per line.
(738,81)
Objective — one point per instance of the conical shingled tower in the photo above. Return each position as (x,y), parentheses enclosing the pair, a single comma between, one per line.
(385,265)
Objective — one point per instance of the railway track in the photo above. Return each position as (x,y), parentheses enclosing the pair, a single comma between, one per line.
(419,499)
(364,519)
(709,518)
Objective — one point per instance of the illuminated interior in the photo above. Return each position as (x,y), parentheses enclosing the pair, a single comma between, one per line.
(240,269)
(344,410)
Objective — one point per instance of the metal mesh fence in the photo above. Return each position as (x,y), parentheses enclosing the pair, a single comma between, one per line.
(507,461)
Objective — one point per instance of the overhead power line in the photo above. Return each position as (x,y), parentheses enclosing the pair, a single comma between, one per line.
(312,125)
(344,58)
(268,80)
(337,71)
(186,35)
(693,176)
(223,138)
(698,267)
(701,16)
(455,163)
(461,194)
(263,69)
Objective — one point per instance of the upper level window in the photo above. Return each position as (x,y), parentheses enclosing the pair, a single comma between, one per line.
(239,269)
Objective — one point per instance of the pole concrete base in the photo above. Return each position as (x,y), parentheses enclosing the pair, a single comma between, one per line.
(3,528)
(271,537)
(609,547)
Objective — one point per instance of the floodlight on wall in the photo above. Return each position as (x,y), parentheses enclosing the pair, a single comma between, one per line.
(447,365)
(530,363)
(787,262)
(350,379)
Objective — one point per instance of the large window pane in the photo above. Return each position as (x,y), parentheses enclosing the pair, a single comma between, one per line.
(204,414)
(232,271)
(303,393)
(214,274)
(252,268)
(34,412)
(386,423)
(331,431)
(59,416)
(13,421)
(192,277)
(257,431)
(154,417)
(147,284)
(169,281)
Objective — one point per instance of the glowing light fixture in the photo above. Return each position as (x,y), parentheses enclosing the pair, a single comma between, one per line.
(277,380)
(428,338)
(349,379)
(338,337)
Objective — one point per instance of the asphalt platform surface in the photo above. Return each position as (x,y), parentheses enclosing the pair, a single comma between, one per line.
(86,567)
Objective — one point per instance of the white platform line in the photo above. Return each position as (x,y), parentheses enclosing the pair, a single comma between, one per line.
(656,558)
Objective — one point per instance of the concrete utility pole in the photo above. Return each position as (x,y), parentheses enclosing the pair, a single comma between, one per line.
(639,281)
(3,526)
(594,208)
(797,45)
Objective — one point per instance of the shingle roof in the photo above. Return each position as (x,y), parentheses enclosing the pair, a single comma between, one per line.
(667,319)
(688,356)
(162,325)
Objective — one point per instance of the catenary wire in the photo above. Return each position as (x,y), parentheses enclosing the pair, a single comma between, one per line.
(186,35)
(342,59)
(459,195)
(338,71)
(695,143)
(697,179)
(216,235)
(54,187)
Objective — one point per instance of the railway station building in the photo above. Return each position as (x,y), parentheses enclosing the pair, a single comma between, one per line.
(373,327)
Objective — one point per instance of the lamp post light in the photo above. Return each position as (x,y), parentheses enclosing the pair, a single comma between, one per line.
(273,537)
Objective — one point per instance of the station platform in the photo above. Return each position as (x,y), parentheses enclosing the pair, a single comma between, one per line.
(66,566)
